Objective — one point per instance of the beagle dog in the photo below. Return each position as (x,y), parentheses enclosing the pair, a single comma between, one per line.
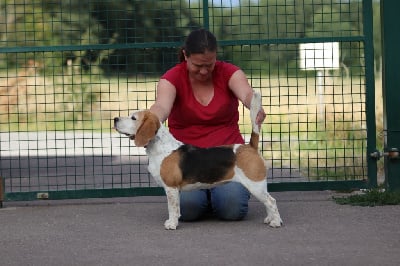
(176,166)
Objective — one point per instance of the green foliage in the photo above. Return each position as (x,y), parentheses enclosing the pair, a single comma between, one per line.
(371,198)
(79,101)
(75,22)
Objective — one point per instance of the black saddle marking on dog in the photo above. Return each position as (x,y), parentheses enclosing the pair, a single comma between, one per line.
(205,165)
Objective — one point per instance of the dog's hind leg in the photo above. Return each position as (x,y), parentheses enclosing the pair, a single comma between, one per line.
(173,208)
(273,218)
(259,190)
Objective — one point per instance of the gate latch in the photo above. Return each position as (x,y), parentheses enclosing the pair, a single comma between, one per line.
(392,153)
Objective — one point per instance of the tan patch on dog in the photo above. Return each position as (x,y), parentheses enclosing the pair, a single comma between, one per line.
(170,171)
(254,139)
(251,163)
(147,129)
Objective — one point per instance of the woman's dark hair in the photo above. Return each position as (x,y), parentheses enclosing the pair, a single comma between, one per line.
(198,42)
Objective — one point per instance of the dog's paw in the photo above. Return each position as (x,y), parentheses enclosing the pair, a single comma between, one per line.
(170,224)
(273,221)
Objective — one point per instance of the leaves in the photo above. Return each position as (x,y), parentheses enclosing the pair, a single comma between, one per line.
(371,198)
(75,22)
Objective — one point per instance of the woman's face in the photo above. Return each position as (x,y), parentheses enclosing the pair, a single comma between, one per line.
(201,66)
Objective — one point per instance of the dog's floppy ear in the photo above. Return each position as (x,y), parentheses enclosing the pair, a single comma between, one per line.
(147,130)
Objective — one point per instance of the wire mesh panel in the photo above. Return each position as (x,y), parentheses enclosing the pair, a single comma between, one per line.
(68,67)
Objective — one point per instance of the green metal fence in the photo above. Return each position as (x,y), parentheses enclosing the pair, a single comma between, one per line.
(68,67)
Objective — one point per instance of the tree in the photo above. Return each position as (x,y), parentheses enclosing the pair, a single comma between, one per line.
(140,28)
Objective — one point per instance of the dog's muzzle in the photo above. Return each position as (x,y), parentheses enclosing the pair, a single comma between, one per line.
(116,120)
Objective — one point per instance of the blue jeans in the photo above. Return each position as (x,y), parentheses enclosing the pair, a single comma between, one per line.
(226,202)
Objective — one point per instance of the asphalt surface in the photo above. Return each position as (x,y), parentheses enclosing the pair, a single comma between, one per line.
(129,231)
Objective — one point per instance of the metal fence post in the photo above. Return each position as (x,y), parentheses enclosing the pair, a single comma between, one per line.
(206,15)
(370,91)
(391,90)
(1,192)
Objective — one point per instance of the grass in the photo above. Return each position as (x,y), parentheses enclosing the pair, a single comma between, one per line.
(73,102)
(371,198)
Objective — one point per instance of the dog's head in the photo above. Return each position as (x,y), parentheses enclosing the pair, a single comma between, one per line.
(140,126)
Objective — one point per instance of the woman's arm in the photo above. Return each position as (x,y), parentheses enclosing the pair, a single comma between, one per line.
(244,92)
(166,93)
(240,86)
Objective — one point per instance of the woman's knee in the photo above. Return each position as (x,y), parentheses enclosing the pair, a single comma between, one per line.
(193,204)
(230,201)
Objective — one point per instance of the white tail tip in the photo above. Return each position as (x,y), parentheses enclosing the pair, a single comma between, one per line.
(255,107)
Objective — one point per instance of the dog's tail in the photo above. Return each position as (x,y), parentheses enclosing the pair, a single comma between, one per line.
(255,107)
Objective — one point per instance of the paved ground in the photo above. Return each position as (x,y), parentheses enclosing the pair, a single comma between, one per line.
(129,231)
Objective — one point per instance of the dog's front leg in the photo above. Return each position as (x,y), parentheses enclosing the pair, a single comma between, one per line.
(174,211)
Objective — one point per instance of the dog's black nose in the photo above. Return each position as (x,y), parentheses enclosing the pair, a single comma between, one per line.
(116,119)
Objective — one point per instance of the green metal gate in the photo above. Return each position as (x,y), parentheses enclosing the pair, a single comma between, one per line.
(391,84)
(68,67)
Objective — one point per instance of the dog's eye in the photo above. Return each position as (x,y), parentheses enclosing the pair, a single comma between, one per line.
(133,118)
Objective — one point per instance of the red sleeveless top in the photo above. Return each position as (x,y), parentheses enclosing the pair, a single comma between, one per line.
(199,125)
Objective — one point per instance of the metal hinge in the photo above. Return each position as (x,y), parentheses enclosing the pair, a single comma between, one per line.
(392,153)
